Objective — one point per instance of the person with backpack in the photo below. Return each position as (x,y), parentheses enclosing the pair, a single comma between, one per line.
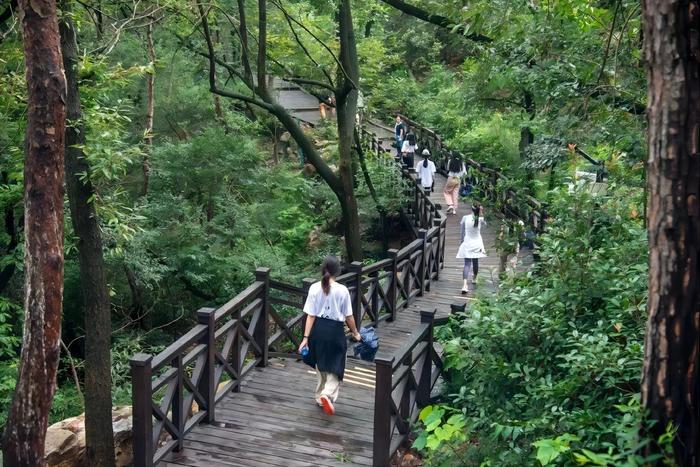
(328,308)
(425,170)
(456,170)
(471,247)
(408,149)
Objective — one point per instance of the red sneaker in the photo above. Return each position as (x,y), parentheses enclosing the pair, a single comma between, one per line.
(327,405)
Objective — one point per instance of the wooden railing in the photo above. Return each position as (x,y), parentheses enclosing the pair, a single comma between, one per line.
(403,386)
(178,388)
(515,205)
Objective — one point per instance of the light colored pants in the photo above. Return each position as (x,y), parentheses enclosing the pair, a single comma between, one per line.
(328,385)
(451,192)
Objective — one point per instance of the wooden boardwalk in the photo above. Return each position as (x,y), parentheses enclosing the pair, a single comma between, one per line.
(274,421)
(230,392)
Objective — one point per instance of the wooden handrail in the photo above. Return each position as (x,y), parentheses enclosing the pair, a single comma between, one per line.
(215,356)
(395,381)
(533,217)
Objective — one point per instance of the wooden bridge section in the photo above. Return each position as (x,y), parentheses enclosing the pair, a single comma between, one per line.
(231,392)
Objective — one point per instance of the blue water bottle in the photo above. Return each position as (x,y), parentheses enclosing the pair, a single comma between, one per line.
(305,351)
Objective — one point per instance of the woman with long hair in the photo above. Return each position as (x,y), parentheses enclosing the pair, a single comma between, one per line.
(328,306)
(425,170)
(472,246)
(456,170)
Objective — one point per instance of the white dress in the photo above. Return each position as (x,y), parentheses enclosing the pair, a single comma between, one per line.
(472,245)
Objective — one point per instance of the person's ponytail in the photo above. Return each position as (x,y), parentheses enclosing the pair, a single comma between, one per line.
(329,269)
(425,162)
(475,210)
(326,282)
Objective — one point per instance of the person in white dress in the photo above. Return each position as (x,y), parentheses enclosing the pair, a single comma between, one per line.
(425,170)
(472,246)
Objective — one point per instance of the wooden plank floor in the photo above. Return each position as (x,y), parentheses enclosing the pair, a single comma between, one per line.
(274,420)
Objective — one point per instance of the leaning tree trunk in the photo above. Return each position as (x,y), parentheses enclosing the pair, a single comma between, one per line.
(671,379)
(99,438)
(25,430)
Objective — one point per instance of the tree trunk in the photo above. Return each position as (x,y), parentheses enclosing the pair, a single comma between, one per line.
(346,102)
(150,109)
(671,379)
(99,438)
(43,229)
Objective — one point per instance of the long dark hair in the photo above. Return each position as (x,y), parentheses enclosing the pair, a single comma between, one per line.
(329,268)
(425,161)
(475,209)
(411,139)
(455,164)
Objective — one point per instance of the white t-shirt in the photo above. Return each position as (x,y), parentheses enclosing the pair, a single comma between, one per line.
(337,305)
(408,147)
(426,173)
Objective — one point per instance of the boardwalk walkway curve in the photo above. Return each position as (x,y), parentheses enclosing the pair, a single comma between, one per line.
(231,391)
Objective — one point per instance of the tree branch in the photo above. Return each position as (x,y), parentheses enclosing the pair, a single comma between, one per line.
(308,54)
(437,20)
(317,39)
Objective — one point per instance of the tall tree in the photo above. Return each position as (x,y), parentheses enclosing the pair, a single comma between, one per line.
(671,379)
(99,438)
(254,75)
(43,229)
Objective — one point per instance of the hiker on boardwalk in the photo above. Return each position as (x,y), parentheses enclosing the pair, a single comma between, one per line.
(425,170)
(399,132)
(472,246)
(328,306)
(456,171)
(408,150)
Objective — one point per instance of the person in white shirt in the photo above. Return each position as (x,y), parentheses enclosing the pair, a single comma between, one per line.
(425,170)
(472,245)
(456,170)
(328,306)
(408,149)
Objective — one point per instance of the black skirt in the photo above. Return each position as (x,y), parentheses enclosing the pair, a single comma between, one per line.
(327,347)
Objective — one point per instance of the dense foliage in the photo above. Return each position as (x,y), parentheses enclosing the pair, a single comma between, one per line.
(547,370)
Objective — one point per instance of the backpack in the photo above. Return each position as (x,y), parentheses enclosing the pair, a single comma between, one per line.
(366,349)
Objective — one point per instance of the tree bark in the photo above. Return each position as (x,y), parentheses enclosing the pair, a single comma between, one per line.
(671,378)
(99,437)
(25,430)
(150,109)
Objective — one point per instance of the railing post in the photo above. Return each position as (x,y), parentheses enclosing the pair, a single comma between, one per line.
(438,251)
(236,351)
(392,293)
(382,412)
(374,299)
(426,373)
(356,268)
(207,385)
(179,410)
(261,330)
(405,398)
(422,235)
(142,403)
